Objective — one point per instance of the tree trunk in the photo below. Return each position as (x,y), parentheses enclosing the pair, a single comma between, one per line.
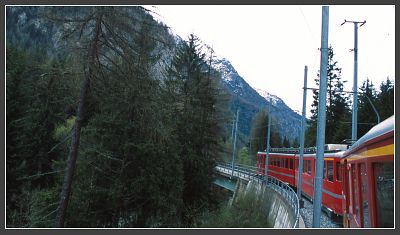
(73,153)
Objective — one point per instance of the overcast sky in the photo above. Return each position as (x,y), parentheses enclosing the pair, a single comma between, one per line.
(270,45)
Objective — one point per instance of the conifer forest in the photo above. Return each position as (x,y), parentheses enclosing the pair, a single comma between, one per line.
(112,121)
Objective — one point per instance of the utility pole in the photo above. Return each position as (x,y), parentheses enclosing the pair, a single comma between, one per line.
(268,140)
(355,94)
(303,124)
(234,143)
(321,119)
(233,128)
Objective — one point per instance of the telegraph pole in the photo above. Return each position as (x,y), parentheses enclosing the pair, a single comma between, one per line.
(355,94)
(234,143)
(268,140)
(303,120)
(233,128)
(321,119)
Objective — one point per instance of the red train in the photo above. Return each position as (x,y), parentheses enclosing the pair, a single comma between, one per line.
(358,182)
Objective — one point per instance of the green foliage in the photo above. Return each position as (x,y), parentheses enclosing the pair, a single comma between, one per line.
(385,99)
(285,143)
(259,133)
(246,212)
(366,115)
(337,107)
(150,137)
(243,157)
(43,207)
(193,94)
(382,100)
(36,97)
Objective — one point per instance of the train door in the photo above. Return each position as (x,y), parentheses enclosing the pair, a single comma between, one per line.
(365,220)
(355,196)
(346,192)
(384,193)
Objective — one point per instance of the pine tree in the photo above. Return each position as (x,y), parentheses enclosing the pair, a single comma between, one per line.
(366,115)
(385,103)
(337,107)
(285,143)
(259,133)
(194,95)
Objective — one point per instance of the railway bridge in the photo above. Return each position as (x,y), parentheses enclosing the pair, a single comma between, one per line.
(282,203)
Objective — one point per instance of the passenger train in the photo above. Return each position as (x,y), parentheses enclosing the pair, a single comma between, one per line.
(358,182)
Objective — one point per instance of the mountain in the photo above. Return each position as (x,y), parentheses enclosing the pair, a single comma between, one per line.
(27,28)
(250,101)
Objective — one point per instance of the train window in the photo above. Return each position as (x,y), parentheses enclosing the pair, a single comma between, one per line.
(291,164)
(282,163)
(305,166)
(364,193)
(330,170)
(278,162)
(384,183)
(338,173)
(324,173)
(286,163)
(309,167)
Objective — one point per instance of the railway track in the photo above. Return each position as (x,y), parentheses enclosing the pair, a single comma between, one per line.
(307,214)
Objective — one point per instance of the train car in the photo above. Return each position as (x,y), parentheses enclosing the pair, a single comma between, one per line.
(280,165)
(368,175)
(331,183)
(284,162)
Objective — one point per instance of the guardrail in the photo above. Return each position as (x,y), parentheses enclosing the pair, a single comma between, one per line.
(249,173)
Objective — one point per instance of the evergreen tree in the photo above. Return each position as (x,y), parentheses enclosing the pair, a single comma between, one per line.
(385,99)
(295,143)
(337,107)
(194,95)
(259,133)
(285,143)
(37,90)
(366,115)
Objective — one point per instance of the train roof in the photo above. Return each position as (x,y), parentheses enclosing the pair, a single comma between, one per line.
(326,154)
(376,131)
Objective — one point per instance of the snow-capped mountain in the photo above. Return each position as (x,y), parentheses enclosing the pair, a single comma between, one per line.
(268,96)
(251,100)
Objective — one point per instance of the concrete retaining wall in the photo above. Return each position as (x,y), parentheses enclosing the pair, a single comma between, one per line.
(278,212)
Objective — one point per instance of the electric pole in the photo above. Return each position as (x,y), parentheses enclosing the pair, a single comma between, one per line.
(268,140)
(321,119)
(303,123)
(234,143)
(355,94)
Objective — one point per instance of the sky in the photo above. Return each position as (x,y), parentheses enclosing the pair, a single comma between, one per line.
(270,45)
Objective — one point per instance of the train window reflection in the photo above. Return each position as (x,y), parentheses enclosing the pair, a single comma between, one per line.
(384,183)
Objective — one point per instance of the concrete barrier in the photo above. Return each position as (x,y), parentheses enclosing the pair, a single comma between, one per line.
(279,213)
